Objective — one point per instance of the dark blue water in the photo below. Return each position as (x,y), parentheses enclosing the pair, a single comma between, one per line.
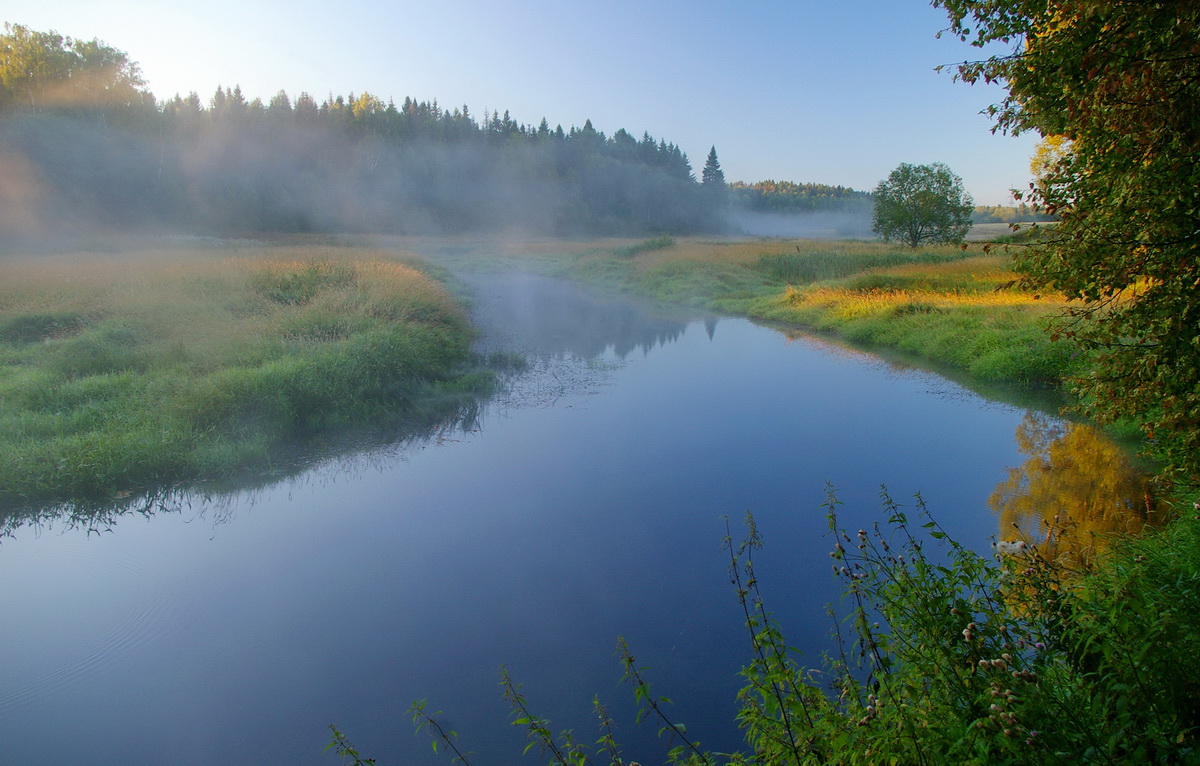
(586,504)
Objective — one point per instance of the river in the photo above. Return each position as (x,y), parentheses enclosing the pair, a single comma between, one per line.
(585,503)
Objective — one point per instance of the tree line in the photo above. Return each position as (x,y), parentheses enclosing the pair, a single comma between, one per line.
(83,143)
(772,196)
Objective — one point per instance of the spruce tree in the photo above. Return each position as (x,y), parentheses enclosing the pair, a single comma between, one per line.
(712,177)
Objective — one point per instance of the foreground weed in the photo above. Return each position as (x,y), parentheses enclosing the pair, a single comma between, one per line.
(947,656)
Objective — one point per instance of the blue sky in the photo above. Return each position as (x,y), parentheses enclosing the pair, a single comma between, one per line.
(807,90)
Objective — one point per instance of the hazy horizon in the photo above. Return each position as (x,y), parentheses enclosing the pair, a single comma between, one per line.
(804,92)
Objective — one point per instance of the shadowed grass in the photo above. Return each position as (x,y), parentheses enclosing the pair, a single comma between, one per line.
(123,373)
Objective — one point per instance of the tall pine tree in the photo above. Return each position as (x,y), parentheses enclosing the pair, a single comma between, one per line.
(712,176)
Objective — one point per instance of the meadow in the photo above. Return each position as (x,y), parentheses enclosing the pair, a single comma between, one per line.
(120,373)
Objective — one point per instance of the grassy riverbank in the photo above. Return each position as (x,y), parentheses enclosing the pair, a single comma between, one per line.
(949,306)
(121,373)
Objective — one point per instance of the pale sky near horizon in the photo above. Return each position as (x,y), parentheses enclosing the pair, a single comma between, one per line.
(801,90)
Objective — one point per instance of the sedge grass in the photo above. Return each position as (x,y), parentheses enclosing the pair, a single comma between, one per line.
(125,373)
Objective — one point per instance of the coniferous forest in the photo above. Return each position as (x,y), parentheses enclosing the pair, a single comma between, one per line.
(85,146)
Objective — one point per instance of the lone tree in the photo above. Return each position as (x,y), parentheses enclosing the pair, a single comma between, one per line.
(1119,82)
(712,177)
(922,203)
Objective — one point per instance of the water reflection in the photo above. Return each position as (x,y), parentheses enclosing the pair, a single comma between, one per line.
(341,454)
(543,315)
(1074,492)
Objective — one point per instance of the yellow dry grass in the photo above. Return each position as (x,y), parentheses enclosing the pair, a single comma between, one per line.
(843,303)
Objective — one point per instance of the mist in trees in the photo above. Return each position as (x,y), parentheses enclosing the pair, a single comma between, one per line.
(785,209)
(344,164)
(83,146)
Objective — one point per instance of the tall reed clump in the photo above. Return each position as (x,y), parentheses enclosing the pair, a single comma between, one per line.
(118,374)
(949,657)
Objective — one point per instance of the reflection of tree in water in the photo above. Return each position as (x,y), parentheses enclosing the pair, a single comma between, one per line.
(1076,490)
(532,313)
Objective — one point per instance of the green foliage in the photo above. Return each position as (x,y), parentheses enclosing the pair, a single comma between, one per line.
(788,197)
(439,736)
(922,203)
(1120,84)
(712,177)
(1021,213)
(344,748)
(41,70)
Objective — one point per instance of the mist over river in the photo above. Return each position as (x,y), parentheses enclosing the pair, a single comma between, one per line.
(585,503)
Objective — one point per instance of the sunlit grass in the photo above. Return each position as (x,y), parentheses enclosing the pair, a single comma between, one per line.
(118,372)
(967,313)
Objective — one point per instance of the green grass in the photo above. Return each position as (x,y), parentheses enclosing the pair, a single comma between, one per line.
(124,374)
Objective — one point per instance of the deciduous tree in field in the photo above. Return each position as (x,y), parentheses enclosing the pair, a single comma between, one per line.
(1120,83)
(917,204)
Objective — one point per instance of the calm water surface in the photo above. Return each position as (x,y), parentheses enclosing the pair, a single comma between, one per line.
(585,504)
